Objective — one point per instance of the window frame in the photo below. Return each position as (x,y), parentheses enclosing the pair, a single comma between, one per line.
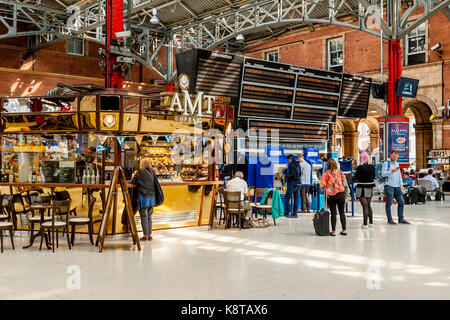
(74,53)
(415,35)
(330,52)
(268,53)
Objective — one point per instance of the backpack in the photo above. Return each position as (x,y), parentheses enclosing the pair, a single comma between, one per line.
(378,171)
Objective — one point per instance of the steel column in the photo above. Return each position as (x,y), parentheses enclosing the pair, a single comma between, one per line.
(114,23)
(395,72)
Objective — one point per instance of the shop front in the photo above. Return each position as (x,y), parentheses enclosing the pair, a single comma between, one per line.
(74,143)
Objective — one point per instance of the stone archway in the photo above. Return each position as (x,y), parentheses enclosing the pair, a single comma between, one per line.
(423,128)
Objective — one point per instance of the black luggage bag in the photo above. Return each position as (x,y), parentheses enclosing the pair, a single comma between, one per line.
(413,195)
(440,196)
(321,222)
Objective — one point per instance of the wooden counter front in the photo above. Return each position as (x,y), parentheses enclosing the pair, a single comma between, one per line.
(191,206)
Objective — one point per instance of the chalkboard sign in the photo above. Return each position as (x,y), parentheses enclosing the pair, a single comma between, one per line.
(355,94)
(272,90)
(214,73)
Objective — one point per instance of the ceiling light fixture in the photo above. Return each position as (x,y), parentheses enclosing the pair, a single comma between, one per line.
(240,37)
(154,19)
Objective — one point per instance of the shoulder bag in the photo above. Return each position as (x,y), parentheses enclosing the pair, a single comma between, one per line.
(159,195)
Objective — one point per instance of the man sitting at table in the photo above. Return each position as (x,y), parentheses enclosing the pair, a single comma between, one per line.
(239,184)
(433,180)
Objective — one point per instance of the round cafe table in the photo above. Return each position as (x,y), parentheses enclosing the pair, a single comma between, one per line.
(42,208)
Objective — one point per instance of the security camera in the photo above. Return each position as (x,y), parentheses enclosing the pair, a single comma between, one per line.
(436,47)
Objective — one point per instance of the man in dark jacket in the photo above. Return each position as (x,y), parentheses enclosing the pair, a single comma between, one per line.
(293,186)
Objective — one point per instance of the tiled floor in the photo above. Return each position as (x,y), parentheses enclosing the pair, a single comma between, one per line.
(286,261)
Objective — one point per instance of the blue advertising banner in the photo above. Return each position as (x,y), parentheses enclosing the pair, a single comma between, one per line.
(398,139)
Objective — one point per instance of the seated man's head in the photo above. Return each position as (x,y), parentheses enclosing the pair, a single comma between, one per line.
(430,171)
(239,174)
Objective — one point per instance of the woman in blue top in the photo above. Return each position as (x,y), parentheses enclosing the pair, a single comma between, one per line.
(144,180)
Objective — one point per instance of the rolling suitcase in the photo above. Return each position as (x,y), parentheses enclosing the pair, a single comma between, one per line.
(321,222)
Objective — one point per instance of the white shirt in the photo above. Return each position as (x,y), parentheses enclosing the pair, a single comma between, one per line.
(433,180)
(238,184)
(305,167)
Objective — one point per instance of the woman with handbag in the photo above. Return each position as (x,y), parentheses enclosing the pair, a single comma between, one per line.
(365,177)
(335,182)
(144,179)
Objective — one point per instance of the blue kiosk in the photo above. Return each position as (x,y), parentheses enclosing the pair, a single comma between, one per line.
(311,156)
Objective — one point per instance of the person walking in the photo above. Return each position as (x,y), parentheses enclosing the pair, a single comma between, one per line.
(144,179)
(305,180)
(393,187)
(293,186)
(365,178)
(335,182)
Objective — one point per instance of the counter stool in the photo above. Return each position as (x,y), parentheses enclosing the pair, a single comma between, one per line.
(6,226)
(60,208)
(80,221)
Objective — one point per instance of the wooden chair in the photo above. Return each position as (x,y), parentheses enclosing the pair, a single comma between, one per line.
(265,208)
(60,208)
(8,207)
(233,208)
(4,214)
(65,195)
(36,219)
(81,221)
(6,226)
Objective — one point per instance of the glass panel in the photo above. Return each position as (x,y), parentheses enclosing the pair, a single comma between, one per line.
(130,122)
(109,103)
(45,122)
(416,58)
(334,59)
(88,121)
(421,44)
(339,43)
(130,104)
(79,46)
(332,45)
(412,45)
(421,29)
(88,103)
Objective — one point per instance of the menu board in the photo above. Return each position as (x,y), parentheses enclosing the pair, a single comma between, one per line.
(214,73)
(290,130)
(271,90)
(355,94)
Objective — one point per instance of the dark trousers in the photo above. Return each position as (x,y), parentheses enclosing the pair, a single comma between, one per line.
(367,209)
(339,201)
(305,199)
(392,193)
(292,191)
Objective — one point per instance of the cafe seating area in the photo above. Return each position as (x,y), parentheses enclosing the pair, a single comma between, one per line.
(44,217)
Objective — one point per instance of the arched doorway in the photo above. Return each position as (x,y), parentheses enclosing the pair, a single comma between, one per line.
(369,136)
(421,130)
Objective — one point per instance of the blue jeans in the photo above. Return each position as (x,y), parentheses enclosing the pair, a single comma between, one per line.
(146,220)
(292,190)
(396,193)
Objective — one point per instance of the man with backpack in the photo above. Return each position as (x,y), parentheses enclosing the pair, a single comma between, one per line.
(393,182)
(293,186)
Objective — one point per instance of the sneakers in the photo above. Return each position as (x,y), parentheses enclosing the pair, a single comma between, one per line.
(364,226)
(404,222)
(392,223)
(370,225)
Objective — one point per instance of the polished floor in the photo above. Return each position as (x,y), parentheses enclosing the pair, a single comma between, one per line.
(286,261)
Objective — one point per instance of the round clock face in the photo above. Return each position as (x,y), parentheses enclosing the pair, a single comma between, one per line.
(183,81)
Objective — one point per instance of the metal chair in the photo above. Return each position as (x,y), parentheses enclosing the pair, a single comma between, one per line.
(80,221)
(36,219)
(60,208)
(8,207)
(233,208)
(428,185)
